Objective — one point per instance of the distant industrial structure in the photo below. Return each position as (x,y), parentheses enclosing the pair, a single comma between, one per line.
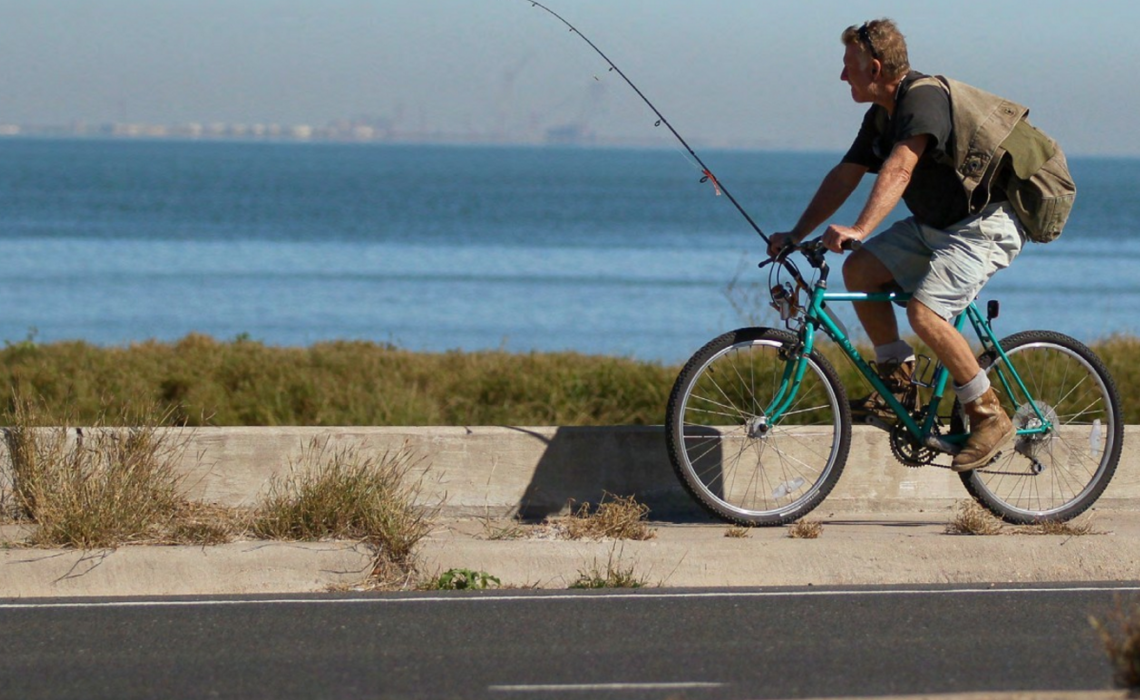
(567,122)
(345,131)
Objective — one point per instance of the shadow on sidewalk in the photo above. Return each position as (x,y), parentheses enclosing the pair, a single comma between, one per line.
(579,467)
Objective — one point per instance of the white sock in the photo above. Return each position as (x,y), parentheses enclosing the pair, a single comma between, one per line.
(972,390)
(899,350)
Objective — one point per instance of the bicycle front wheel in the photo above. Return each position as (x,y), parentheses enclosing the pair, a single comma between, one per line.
(738,464)
(1057,475)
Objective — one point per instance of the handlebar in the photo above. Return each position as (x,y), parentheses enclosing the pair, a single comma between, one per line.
(813,250)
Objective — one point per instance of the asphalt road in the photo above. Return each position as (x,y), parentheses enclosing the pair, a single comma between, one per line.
(512,645)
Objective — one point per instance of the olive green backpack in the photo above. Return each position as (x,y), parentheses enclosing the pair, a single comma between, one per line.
(993,139)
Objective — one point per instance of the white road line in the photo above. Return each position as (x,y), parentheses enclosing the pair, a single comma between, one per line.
(552,688)
(538,598)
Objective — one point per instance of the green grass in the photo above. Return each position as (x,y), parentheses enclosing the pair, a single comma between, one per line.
(202,381)
(207,382)
(462,580)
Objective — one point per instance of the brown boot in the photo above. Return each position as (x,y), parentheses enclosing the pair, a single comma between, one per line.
(898,377)
(990,428)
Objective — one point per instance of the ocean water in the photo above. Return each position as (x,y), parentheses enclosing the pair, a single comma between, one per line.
(619,252)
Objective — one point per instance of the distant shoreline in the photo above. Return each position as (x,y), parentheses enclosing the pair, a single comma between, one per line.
(457,143)
(443,141)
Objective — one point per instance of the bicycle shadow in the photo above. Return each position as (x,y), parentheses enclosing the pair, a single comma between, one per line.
(587,464)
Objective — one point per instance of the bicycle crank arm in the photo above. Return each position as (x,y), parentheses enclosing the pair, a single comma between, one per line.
(876,422)
(936,443)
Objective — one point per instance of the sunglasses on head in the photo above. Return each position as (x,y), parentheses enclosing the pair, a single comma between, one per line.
(865,39)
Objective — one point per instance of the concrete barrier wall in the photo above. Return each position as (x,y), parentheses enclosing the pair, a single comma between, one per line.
(536,472)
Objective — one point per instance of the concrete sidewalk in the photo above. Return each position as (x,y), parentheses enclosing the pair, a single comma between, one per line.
(859,549)
(883,524)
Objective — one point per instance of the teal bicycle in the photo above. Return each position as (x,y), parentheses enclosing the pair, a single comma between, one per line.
(759,428)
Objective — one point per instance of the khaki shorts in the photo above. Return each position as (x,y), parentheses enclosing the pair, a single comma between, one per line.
(945,269)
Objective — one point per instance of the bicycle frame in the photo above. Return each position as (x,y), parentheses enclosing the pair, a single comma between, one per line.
(816,319)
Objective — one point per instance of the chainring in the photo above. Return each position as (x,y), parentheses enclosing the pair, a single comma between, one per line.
(907,450)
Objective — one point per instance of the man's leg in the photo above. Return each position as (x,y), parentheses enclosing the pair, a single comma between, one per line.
(990,427)
(864,272)
(944,340)
(963,259)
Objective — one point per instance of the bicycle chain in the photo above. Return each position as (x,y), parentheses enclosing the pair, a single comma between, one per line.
(910,453)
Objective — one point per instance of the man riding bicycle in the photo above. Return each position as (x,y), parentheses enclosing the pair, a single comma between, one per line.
(942,254)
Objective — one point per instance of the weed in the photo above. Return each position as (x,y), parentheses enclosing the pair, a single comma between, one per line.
(338,493)
(1072,528)
(1120,635)
(463,579)
(738,532)
(621,518)
(751,300)
(970,518)
(805,529)
(205,524)
(510,531)
(8,509)
(98,486)
(614,576)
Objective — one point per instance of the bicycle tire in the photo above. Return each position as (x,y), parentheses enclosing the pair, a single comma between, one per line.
(732,463)
(1072,388)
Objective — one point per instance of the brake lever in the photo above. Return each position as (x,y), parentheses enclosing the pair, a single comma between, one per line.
(784,252)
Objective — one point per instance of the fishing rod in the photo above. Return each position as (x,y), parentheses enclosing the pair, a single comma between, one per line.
(707,174)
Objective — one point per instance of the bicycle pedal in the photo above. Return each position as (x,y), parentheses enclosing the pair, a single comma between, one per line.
(936,443)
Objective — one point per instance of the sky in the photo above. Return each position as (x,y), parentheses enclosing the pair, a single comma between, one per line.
(723,72)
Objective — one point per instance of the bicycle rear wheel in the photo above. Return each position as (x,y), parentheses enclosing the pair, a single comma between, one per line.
(1057,475)
(737,465)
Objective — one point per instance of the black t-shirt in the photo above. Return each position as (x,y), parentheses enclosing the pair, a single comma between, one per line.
(935,195)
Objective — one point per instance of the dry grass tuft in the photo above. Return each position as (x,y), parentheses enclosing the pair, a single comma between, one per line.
(206,524)
(621,518)
(614,576)
(737,532)
(8,508)
(970,518)
(98,486)
(805,529)
(1120,635)
(504,531)
(1073,528)
(340,494)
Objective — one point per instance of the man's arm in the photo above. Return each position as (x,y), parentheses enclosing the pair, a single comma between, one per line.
(836,187)
(893,179)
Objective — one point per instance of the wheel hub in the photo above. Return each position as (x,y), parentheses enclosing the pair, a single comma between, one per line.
(757,427)
(1034,445)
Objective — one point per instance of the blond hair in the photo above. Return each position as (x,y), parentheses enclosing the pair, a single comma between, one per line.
(882,40)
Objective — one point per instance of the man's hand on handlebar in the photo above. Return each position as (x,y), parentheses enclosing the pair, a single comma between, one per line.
(840,238)
(777,242)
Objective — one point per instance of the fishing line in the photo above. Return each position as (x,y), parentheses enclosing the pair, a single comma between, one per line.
(707,175)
